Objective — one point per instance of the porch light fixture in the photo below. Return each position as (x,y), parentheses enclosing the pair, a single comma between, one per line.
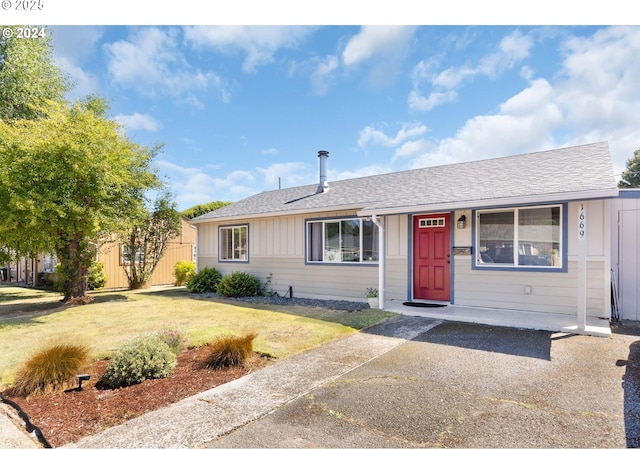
(462,222)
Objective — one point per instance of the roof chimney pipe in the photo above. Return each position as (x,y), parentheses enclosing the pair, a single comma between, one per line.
(323,186)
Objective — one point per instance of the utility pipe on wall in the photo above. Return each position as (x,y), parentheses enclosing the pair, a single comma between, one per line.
(381,261)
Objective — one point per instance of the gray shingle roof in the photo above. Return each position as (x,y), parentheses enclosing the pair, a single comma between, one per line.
(578,172)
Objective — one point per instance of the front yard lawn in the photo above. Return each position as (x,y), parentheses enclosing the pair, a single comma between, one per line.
(31,318)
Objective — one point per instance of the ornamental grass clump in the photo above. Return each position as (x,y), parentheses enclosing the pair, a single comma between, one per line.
(229,351)
(50,369)
(144,357)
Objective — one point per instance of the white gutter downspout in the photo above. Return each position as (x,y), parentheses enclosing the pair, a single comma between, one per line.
(381,262)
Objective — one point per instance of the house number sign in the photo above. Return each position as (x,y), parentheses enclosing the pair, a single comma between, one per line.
(582,222)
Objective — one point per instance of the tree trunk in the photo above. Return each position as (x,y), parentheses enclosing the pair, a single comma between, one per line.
(74,266)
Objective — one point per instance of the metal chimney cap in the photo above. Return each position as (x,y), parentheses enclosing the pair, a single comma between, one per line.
(322,153)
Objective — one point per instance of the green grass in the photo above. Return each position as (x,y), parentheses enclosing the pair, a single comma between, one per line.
(30,319)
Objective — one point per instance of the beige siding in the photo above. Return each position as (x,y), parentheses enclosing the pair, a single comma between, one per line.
(277,249)
(179,248)
(550,292)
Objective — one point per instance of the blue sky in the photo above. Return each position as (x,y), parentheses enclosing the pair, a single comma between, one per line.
(245,109)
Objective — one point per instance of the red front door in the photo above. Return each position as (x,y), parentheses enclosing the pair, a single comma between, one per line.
(431,257)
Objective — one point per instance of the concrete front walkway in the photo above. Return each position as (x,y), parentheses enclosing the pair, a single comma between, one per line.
(554,322)
(205,417)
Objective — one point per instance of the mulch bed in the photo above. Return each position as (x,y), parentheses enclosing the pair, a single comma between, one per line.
(65,417)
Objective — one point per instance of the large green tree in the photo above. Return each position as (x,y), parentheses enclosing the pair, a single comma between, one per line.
(631,176)
(146,240)
(201,209)
(69,176)
(28,76)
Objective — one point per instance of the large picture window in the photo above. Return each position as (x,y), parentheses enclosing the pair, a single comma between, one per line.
(351,240)
(521,237)
(233,243)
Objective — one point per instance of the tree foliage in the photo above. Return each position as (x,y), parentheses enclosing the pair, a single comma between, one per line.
(631,176)
(69,176)
(201,209)
(145,241)
(28,77)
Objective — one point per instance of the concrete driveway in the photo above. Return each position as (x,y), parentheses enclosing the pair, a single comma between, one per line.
(468,385)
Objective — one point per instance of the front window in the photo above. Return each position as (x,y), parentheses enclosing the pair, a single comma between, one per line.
(348,240)
(234,243)
(522,237)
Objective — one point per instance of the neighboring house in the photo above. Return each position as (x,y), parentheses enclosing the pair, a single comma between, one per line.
(179,248)
(182,247)
(501,233)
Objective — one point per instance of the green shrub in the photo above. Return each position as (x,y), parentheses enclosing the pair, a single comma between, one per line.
(183,270)
(50,369)
(96,278)
(229,351)
(206,280)
(174,338)
(239,284)
(144,357)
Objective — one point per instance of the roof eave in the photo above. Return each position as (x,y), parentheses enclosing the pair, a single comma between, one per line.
(493,202)
(342,207)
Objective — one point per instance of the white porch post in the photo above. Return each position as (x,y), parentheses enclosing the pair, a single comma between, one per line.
(381,261)
(582,266)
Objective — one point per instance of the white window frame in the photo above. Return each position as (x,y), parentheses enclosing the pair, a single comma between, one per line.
(243,253)
(124,260)
(517,244)
(339,257)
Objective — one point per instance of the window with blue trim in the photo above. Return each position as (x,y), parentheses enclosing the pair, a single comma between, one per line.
(352,240)
(234,243)
(520,237)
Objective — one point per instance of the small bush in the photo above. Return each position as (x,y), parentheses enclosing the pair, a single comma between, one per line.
(144,357)
(206,280)
(239,284)
(51,369)
(174,338)
(96,278)
(229,351)
(183,270)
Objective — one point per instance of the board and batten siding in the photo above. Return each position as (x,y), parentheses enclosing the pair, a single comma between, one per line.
(277,252)
(550,292)
(625,245)
(178,248)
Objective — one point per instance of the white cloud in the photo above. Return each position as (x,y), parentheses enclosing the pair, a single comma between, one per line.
(323,74)
(370,170)
(512,49)
(381,48)
(258,43)
(411,149)
(191,185)
(524,123)
(137,121)
(72,47)
(376,40)
(151,62)
(271,151)
(408,130)
(418,102)
(599,90)
(287,174)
